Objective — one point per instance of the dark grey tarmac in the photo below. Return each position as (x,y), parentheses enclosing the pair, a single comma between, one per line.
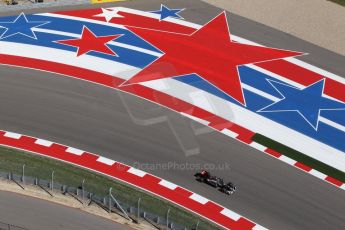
(36,214)
(94,118)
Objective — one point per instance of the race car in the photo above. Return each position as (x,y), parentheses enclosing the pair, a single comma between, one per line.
(205,177)
(228,188)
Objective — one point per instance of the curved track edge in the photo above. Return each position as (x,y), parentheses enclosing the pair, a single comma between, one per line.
(135,177)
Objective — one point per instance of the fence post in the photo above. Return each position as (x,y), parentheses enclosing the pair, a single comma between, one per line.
(138,209)
(168,218)
(52,182)
(23,174)
(197,225)
(110,199)
(82,187)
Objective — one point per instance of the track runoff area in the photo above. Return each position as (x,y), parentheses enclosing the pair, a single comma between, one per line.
(160,57)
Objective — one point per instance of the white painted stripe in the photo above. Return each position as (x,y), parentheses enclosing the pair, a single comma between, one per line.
(196,26)
(332,123)
(44,142)
(231,214)
(136,172)
(259,92)
(296,61)
(201,98)
(168,184)
(318,174)
(12,135)
(156,16)
(258,124)
(114,43)
(258,146)
(106,161)
(259,227)
(81,19)
(229,133)
(342,187)
(275,99)
(198,198)
(244,41)
(101,65)
(279,77)
(287,160)
(75,151)
(316,69)
(202,121)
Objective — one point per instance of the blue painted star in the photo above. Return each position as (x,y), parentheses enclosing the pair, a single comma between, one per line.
(308,102)
(20,25)
(165,12)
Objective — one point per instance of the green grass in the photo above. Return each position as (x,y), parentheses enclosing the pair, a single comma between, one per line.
(11,160)
(340,2)
(300,157)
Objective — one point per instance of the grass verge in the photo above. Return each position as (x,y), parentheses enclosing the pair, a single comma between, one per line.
(11,160)
(340,2)
(300,157)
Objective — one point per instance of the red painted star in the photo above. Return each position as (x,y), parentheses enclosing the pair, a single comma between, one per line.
(208,52)
(90,42)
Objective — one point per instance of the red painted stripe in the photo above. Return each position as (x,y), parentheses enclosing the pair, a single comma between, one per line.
(280,67)
(304,76)
(303,167)
(273,153)
(219,123)
(244,135)
(148,182)
(334,181)
(133,20)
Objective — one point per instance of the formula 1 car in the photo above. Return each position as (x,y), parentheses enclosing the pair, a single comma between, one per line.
(216,182)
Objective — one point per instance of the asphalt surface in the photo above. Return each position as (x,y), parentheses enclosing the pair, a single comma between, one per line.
(95,119)
(37,214)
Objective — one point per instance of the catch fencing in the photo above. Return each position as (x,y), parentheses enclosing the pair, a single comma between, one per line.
(130,203)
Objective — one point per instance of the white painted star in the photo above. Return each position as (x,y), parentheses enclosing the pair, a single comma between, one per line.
(109,14)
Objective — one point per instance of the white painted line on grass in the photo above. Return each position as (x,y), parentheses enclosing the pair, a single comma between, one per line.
(106,161)
(198,198)
(44,142)
(74,151)
(232,215)
(318,174)
(168,184)
(136,172)
(12,135)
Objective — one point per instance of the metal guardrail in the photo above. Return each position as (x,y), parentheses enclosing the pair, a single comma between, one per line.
(133,211)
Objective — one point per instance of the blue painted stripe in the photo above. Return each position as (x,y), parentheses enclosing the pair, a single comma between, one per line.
(258,80)
(76,27)
(125,56)
(325,134)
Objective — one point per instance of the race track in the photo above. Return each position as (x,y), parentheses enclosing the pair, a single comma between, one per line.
(33,213)
(94,118)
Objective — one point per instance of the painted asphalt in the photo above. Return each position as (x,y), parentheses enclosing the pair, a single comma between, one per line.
(270,192)
(33,213)
(93,118)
